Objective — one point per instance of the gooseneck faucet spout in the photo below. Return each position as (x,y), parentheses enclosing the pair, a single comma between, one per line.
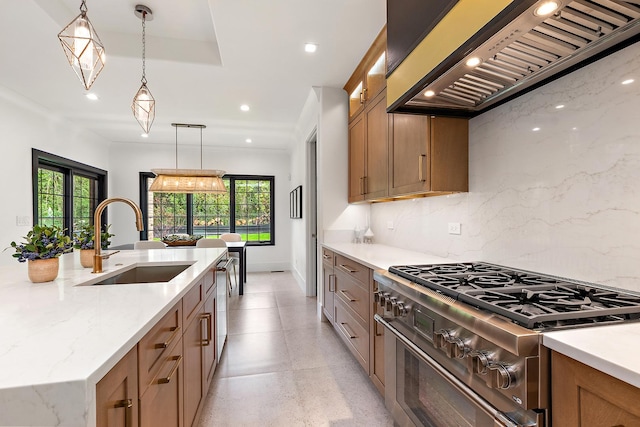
(97,225)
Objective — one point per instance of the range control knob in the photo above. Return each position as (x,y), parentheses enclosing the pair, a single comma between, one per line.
(460,348)
(376,296)
(502,376)
(383,298)
(444,339)
(399,309)
(390,302)
(479,361)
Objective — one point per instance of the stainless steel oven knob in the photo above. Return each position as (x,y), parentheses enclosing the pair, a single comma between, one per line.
(376,296)
(390,302)
(460,348)
(502,376)
(383,298)
(479,361)
(444,340)
(399,310)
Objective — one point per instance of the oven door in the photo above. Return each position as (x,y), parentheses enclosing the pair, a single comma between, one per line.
(420,392)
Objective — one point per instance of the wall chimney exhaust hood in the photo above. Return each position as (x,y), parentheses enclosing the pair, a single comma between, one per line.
(517,50)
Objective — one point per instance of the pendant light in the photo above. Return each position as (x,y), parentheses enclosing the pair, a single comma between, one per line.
(144,105)
(83,47)
(188,180)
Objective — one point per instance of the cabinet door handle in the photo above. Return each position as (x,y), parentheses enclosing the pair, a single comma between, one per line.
(165,344)
(347,296)
(332,283)
(349,269)
(167,379)
(348,330)
(209,318)
(127,404)
(366,185)
(421,159)
(361,185)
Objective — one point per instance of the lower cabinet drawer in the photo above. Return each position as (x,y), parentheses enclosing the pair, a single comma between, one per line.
(156,343)
(352,332)
(161,404)
(353,295)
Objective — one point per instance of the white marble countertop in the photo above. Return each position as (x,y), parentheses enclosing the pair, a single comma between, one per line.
(59,339)
(610,349)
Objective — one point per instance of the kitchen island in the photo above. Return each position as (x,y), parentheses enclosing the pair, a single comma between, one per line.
(60,338)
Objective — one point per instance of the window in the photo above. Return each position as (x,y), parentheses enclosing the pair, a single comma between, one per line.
(65,192)
(246,208)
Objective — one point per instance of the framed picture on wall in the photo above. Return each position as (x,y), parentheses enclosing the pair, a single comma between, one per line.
(295,202)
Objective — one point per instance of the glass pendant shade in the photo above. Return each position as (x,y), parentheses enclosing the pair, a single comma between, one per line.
(188,181)
(83,48)
(144,108)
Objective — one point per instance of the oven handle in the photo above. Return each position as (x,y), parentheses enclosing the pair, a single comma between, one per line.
(462,387)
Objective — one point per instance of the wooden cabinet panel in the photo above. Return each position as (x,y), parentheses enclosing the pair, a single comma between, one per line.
(585,397)
(191,303)
(356,160)
(354,296)
(352,333)
(328,283)
(428,154)
(193,368)
(117,394)
(353,269)
(156,343)
(161,404)
(209,282)
(377,149)
(209,341)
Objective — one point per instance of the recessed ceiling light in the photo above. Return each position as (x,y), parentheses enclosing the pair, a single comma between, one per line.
(472,62)
(144,135)
(248,140)
(547,8)
(535,129)
(559,107)
(429,93)
(92,96)
(310,47)
(244,107)
(628,81)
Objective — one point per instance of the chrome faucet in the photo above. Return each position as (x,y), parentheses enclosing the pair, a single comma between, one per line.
(97,219)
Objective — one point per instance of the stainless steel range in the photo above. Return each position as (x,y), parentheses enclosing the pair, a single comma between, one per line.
(463,342)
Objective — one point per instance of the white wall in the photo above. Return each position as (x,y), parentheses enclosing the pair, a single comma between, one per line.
(25,125)
(128,159)
(563,200)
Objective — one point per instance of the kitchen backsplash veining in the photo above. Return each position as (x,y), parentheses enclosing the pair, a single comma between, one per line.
(554,183)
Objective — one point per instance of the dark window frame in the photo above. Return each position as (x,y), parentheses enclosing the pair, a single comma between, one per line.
(144,206)
(69,168)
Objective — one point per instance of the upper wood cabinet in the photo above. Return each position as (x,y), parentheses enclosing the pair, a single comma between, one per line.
(428,154)
(368,80)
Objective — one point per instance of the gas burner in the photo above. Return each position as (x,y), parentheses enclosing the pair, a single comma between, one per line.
(409,271)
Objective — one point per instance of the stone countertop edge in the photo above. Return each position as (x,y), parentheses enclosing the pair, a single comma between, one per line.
(63,338)
(605,348)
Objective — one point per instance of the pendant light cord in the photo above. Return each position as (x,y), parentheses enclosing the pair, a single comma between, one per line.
(144,46)
(200,148)
(83,8)
(176,147)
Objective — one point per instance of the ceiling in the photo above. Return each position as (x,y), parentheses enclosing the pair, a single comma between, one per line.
(204,59)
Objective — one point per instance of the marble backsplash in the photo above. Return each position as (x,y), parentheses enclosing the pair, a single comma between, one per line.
(554,179)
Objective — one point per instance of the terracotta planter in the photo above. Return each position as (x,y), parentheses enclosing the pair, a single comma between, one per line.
(86,257)
(43,270)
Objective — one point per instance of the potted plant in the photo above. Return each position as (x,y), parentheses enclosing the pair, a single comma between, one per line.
(41,249)
(84,240)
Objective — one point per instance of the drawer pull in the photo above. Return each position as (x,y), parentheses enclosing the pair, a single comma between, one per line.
(167,379)
(325,256)
(208,317)
(421,158)
(165,344)
(127,404)
(348,330)
(347,296)
(349,269)
(332,283)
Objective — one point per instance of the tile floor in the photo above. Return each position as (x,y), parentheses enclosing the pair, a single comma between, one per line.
(282,366)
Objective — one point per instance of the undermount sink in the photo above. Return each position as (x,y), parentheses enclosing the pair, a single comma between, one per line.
(144,274)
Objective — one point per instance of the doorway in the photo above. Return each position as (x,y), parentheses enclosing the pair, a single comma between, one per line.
(312,218)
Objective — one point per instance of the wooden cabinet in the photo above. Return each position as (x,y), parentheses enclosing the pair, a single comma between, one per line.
(117,394)
(376,349)
(428,154)
(368,80)
(328,284)
(583,396)
(368,126)
(165,378)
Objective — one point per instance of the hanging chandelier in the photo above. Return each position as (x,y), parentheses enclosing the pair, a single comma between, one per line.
(144,105)
(188,180)
(83,47)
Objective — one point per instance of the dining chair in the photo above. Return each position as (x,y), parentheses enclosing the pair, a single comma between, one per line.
(218,243)
(149,244)
(233,237)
